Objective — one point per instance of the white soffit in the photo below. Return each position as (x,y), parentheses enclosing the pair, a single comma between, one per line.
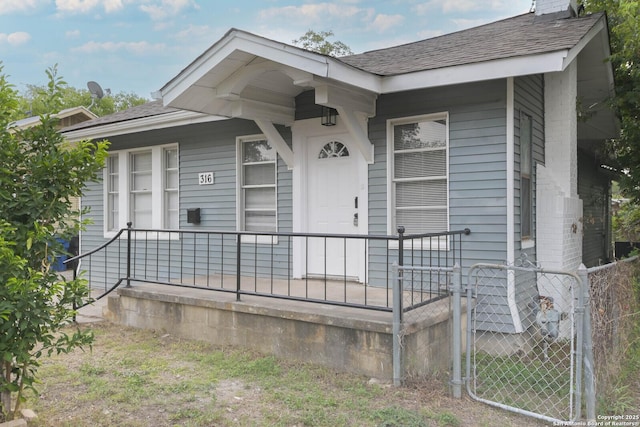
(238,49)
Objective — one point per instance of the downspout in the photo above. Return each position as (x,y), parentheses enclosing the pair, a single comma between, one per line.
(511,227)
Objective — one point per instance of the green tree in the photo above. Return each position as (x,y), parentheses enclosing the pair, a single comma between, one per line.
(32,101)
(39,175)
(317,42)
(624,27)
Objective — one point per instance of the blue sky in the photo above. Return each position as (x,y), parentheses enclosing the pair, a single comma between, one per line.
(139,45)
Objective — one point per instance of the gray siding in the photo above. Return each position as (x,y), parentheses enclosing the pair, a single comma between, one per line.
(477,162)
(208,147)
(306,107)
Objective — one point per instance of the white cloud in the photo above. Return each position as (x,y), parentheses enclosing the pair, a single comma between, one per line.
(15,39)
(113,5)
(427,34)
(85,6)
(195,32)
(138,48)
(462,6)
(76,6)
(382,22)
(463,24)
(72,34)
(312,13)
(10,6)
(159,10)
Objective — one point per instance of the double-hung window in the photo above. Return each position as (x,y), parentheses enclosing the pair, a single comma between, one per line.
(140,190)
(141,186)
(170,188)
(526,166)
(418,174)
(257,189)
(112,188)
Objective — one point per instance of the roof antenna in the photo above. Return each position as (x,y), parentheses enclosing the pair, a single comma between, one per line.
(96,92)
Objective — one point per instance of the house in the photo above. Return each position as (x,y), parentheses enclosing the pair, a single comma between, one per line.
(497,128)
(67,117)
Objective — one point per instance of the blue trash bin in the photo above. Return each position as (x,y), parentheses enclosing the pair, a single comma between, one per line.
(58,264)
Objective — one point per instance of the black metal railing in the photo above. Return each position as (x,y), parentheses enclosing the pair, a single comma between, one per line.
(338,269)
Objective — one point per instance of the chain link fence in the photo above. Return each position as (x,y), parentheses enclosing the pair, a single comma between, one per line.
(524,340)
(615,309)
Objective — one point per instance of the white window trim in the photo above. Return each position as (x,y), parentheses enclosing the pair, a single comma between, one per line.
(442,244)
(250,238)
(124,196)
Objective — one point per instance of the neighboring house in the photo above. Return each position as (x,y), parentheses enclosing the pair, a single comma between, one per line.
(478,128)
(67,117)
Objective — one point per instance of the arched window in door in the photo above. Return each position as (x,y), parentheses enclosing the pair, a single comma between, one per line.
(333,149)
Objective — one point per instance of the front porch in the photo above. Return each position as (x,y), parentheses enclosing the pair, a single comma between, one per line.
(344,338)
(169,284)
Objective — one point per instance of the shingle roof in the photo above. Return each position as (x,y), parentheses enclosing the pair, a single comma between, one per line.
(518,36)
(153,108)
(522,35)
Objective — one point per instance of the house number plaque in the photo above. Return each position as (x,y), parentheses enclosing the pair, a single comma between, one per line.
(205,178)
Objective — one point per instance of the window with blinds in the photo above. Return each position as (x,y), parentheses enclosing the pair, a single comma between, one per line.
(526,166)
(140,189)
(170,184)
(142,186)
(113,192)
(258,186)
(419,174)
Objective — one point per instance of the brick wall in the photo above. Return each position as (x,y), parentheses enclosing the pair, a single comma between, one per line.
(559,209)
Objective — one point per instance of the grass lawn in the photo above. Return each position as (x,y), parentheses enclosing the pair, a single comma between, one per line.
(149,378)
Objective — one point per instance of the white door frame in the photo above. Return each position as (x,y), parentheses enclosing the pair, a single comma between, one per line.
(301,131)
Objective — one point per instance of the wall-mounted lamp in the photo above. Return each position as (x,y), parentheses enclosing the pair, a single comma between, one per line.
(328,116)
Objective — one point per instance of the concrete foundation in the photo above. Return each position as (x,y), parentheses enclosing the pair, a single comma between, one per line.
(347,339)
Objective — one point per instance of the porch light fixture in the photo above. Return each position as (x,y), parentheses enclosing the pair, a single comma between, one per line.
(328,116)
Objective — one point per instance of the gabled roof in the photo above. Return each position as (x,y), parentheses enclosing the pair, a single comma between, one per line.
(522,35)
(77,113)
(249,76)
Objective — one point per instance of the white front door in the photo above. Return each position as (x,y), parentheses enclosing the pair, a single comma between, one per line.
(333,206)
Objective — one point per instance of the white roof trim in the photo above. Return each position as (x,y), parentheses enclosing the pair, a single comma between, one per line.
(159,121)
(236,40)
(325,66)
(489,70)
(76,110)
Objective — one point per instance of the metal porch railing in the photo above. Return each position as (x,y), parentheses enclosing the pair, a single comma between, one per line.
(261,264)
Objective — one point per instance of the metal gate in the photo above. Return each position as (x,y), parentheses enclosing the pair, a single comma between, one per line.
(525,336)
